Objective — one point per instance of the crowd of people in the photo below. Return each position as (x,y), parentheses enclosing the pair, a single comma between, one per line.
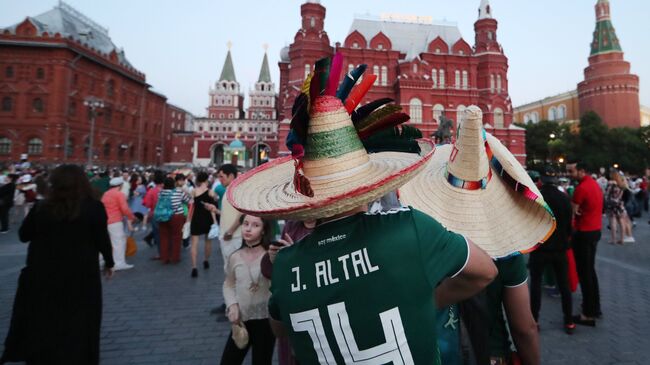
(409,254)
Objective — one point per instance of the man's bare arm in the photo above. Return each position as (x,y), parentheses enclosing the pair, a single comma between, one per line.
(477,274)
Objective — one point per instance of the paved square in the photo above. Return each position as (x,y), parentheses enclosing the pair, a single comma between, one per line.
(157,314)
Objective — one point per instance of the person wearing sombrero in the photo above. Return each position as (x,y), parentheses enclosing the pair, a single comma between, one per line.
(361,286)
(476,187)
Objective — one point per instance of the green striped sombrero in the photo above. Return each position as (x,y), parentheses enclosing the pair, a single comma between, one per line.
(341,173)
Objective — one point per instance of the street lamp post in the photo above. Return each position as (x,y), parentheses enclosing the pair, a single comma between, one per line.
(94,104)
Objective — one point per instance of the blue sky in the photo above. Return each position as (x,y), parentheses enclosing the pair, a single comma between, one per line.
(181,45)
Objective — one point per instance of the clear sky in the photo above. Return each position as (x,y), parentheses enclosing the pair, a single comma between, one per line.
(181,45)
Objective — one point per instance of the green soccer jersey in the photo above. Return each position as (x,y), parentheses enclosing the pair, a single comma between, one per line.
(512,273)
(360,289)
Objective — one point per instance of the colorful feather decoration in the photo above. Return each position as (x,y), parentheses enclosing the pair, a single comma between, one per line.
(349,80)
(363,111)
(319,79)
(359,91)
(335,74)
(300,117)
(377,115)
(389,121)
(402,138)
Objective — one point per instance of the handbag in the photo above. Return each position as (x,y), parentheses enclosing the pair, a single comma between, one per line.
(240,335)
(131,246)
(214,231)
(186,230)
(214,228)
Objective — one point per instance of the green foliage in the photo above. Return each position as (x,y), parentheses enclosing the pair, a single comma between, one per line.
(590,141)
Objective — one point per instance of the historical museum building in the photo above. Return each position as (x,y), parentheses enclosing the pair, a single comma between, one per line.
(67,90)
(608,87)
(425,66)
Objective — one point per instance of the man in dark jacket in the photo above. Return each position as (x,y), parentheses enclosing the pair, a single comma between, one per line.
(7,201)
(553,251)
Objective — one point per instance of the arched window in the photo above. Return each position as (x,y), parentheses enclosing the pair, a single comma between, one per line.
(465,80)
(415,68)
(415,110)
(498,118)
(499,84)
(121,149)
(110,88)
(442,78)
(312,22)
(107,149)
(535,117)
(375,71)
(9,72)
(460,112)
(307,70)
(434,78)
(384,75)
(35,146)
(527,118)
(5,146)
(457,74)
(561,112)
(69,147)
(40,73)
(438,109)
(491,83)
(37,105)
(552,114)
(7,104)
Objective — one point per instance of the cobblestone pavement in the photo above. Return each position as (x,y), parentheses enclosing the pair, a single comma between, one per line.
(157,314)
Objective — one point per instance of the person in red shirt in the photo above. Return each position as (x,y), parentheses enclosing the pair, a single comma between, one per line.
(150,200)
(587,205)
(116,210)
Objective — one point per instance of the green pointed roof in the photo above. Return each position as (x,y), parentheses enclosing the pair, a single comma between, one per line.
(265,73)
(605,39)
(228,71)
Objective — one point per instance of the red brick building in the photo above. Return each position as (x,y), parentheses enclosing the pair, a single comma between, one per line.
(609,88)
(426,67)
(50,65)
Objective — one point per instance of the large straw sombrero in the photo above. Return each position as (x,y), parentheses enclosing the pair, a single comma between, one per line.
(476,187)
(342,174)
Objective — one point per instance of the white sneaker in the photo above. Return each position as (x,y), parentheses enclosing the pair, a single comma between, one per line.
(122,267)
(629,239)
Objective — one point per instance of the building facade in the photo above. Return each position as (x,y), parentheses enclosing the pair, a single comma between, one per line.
(62,77)
(230,133)
(609,89)
(426,67)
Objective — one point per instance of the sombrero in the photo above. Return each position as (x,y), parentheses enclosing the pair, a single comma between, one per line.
(477,188)
(330,170)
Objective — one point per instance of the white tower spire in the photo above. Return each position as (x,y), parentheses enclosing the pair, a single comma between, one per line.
(485,11)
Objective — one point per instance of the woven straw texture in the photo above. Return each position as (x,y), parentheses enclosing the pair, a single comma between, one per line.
(498,219)
(268,191)
(342,174)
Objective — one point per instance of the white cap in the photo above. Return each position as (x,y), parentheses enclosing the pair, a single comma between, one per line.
(116,181)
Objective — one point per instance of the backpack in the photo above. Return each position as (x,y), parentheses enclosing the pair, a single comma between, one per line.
(163,211)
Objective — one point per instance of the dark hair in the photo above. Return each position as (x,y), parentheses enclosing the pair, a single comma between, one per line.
(179,177)
(580,165)
(158,177)
(69,187)
(169,183)
(41,185)
(201,177)
(267,236)
(228,169)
